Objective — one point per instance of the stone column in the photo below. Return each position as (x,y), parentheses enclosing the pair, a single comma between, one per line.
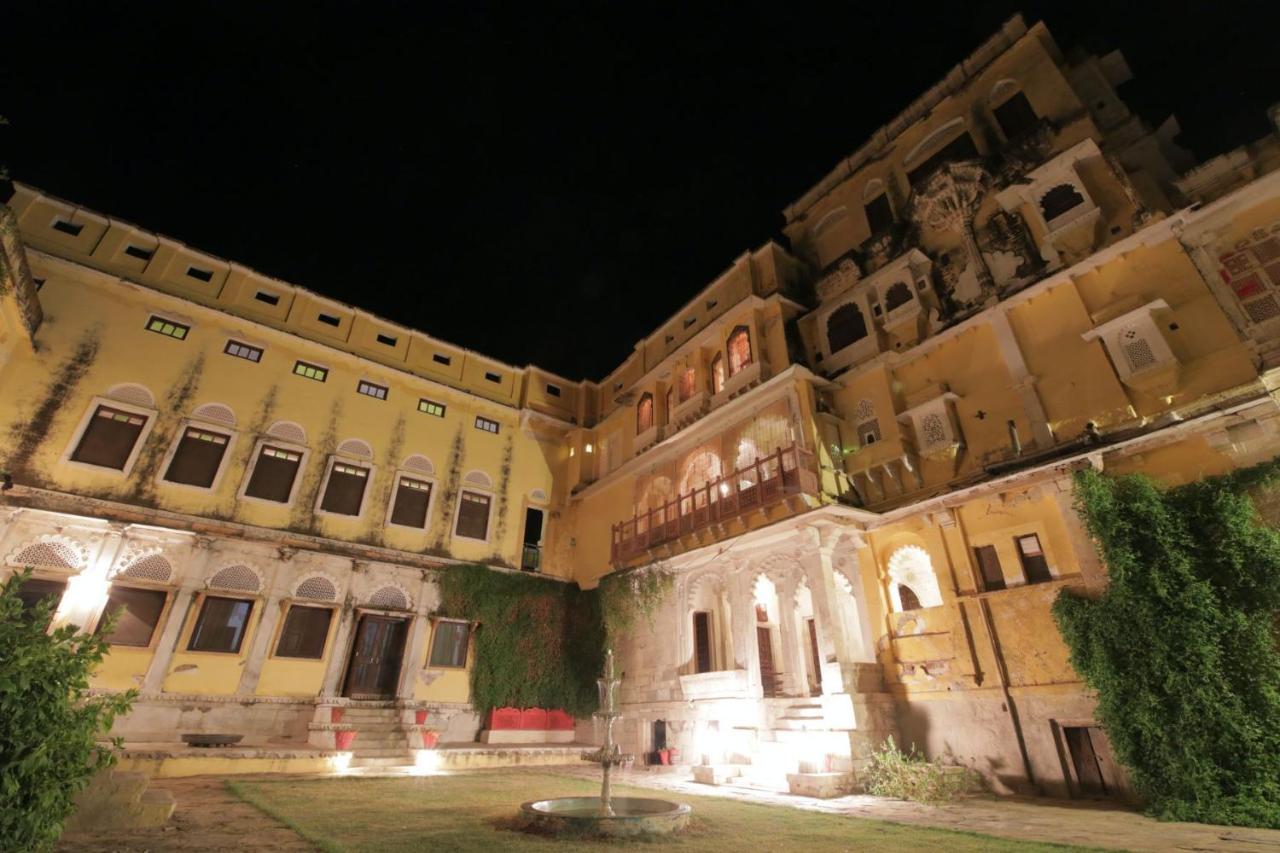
(336,666)
(192,580)
(414,655)
(272,610)
(794,682)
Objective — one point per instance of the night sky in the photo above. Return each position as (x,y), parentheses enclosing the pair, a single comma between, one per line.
(543,184)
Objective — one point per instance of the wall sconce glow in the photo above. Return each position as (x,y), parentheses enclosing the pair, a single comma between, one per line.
(426,762)
(83,600)
(570,452)
(588,447)
(724,489)
(340,762)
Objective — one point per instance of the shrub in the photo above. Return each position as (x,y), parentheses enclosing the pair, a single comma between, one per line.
(49,724)
(1181,645)
(908,776)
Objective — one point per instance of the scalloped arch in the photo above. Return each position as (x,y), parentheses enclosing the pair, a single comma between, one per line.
(132,393)
(356,447)
(216,413)
(50,551)
(288,431)
(418,463)
(236,576)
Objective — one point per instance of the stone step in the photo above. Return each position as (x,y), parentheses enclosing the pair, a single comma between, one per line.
(402,760)
(377,751)
(390,716)
(361,726)
(381,738)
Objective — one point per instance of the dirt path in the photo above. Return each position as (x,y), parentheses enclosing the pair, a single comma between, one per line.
(208,817)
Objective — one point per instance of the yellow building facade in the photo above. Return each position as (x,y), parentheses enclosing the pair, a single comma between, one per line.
(854,456)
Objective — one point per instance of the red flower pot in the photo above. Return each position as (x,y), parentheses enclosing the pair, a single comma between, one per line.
(344,739)
(335,715)
(673,756)
(430,739)
(664,755)
(420,716)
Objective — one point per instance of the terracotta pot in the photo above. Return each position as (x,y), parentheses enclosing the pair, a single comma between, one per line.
(344,739)
(335,715)
(420,716)
(664,756)
(673,756)
(430,739)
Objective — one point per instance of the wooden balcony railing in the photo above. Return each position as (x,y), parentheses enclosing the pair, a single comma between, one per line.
(789,471)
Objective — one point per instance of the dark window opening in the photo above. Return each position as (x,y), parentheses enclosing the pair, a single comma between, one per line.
(644,413)
(897,296)
(109,438)
(531,557)
(1060,200)
(269,298)
(221,625)
(702,642)
(989,566)
(239,350)
(960,148)
(553,390)
(329,319)
(345,491)
(441,359)
(196,461)
(387,340)
(845,326)
(1015,116)
(139,253)
(139,613)
(449,644)
(1034,564)
(67,227)
(493,377)
(413,497)
(473,516)
(35,591)
(879,213)
(199,274)
(274,473)
(304,633)
(908,597)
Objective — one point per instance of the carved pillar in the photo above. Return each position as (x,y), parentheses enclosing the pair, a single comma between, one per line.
(792,665)
(336,665)
(273,609)
(192,581)
(1023,382)
(414,655)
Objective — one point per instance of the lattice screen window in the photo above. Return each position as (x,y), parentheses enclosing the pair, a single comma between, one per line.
(47,554)
(1252,271)
(150,568)
(240,578)
(316,589)
(389,598)
(1136,350)
(933,429)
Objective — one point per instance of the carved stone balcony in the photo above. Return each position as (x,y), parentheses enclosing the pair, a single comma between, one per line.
(789,471)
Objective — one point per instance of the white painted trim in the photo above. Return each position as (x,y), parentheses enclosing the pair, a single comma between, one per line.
(253,465)
(354,462)
(395,490)
(457,506)
(94,403)
(184,424)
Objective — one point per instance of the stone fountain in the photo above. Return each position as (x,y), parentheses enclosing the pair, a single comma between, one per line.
(606,814)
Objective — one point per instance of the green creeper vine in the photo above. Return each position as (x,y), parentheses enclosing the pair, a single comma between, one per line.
(538,643)
(627,596)
(1181,645)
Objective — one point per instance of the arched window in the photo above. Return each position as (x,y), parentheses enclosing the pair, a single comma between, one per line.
(910,601)
(739,350)
(1059,200)
(845,326)
(897,295)
(717,374)
(686,384)
(644,413)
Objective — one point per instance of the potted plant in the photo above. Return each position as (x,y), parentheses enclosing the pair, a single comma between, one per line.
(420,716)
(673,756)
(430,737)
(664,756)
(344,739)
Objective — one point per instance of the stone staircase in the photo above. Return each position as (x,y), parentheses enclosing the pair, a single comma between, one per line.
(381,738)
(118,800)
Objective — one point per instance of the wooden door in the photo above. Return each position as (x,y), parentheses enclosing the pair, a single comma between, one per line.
(815,660)
(375,657)
(768,675)
(1085,760)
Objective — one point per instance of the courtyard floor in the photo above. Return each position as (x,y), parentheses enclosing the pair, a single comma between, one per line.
(474,811)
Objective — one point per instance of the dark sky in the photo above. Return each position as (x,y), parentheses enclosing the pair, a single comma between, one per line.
(542,183)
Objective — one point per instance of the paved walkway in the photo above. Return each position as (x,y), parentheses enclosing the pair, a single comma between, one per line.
(209,818)
(1060,821)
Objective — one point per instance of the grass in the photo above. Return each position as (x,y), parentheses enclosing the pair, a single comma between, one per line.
(475,812)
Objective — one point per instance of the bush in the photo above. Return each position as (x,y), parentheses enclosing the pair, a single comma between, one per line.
(48,723)
(908,776)
(1181,645)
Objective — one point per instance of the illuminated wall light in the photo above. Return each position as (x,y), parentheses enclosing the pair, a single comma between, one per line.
(340,762)
(426,762)
(83,600)
(570,452)
(588,447)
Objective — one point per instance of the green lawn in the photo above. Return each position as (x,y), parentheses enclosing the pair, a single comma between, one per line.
(475,812)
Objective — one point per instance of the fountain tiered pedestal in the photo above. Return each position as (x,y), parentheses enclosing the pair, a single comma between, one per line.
(606,814)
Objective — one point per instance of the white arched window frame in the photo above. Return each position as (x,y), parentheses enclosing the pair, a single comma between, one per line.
(910,566)
(416,473)
(353,455)
(213,419)
(117,404)
(274,438)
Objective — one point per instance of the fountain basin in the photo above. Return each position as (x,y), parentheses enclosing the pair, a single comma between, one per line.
(581,816)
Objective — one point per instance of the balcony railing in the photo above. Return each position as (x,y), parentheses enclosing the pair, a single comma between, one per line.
(789,471)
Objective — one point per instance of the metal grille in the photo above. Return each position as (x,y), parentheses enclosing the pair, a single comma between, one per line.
(864,411)
(478,478)
(240,578)
(150,568)
(317,588)
(47,554)
(288,431)
(356,447)
(389,598)
(215,413)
